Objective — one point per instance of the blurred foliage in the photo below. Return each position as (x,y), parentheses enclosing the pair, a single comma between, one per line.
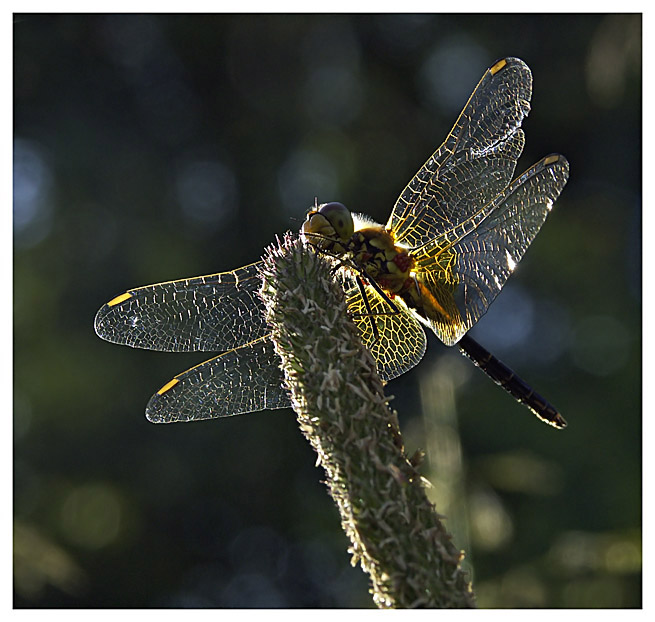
(149,148)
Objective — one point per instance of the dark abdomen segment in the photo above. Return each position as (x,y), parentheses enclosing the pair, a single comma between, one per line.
(513,384)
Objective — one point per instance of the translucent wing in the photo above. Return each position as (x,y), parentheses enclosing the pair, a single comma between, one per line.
(474,164)
(209,313)
(242,380)
(248,378)
(401,339)
(472,261)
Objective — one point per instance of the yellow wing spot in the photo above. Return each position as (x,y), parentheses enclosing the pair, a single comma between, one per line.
(551,159)
(497,67)
(168,386)
(119,299)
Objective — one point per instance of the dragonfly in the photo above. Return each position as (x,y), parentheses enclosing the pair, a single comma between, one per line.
(455,234)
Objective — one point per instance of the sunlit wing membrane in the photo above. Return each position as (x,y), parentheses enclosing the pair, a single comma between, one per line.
(248,379)
(243,380)
(478,255)
(402,341)
(210,313)
(476,161)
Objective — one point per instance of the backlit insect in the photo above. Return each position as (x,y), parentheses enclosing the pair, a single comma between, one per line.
(455,234)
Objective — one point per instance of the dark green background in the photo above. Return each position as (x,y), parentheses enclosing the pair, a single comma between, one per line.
(150,148)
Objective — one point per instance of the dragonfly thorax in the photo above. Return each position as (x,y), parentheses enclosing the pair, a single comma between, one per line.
(371,249)
(375,253)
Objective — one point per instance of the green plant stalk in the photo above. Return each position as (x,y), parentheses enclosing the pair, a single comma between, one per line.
(395,532)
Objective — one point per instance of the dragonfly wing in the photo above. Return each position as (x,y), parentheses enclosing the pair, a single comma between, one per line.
(474,260)
(401,341)
(211,313)
(476,161)
(246,379)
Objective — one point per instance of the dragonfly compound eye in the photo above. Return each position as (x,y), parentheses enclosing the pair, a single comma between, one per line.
(339,216)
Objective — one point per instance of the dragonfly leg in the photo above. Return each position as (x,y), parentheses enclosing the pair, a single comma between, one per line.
(378,289)
(362,291)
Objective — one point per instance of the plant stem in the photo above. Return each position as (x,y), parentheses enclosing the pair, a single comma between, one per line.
(395,532)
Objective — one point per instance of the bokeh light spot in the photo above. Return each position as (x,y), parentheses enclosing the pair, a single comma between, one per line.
(601,345)
(91,516)
(491,525)
(449,70)
(304,175)
(33,183)
(207,193)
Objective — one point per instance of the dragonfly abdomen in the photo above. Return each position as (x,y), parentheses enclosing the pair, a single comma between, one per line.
(513,384)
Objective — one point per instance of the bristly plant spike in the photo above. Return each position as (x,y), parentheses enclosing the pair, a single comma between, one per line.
(395,532)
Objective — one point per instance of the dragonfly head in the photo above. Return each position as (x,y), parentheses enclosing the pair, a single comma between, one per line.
(330,221)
